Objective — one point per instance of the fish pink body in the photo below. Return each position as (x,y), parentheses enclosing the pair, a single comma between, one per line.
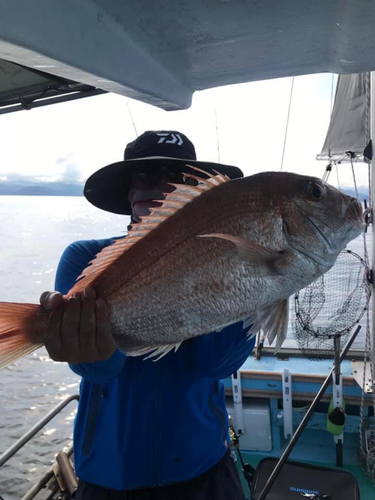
(211,255)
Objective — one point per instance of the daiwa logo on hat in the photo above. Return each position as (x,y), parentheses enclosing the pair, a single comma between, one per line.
(173,140)
(167,143)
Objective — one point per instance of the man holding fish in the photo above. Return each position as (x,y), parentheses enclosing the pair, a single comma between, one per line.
(159,428)
(157,318)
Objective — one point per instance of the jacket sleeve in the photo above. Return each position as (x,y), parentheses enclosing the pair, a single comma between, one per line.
(73,261)
(101,372)
(219,354)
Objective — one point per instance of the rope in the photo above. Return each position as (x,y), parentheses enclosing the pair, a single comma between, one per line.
(217,137)
(287,123)
(131,117)
(337,175)
(327,172)
(354,179)
(330,115)
(329,167)
(332,79)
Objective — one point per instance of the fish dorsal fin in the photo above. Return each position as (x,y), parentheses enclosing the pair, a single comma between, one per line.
(172,203)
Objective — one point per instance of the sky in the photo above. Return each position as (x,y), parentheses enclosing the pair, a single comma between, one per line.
(242,125)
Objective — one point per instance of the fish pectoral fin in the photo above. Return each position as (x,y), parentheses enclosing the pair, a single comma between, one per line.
(267,261)
(251,324)
(274,322)
(154,351)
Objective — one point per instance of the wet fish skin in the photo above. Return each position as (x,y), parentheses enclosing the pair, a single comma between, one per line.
(179,286)
(205,260)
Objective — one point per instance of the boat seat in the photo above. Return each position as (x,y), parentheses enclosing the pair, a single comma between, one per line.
(298,480)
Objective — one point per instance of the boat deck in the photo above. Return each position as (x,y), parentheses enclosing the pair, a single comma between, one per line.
(262,391)
(299,365)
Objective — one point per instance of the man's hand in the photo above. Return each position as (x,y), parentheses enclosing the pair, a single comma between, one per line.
(79,329)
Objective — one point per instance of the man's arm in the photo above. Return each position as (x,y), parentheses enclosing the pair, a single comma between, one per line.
(219,354)
(79,330)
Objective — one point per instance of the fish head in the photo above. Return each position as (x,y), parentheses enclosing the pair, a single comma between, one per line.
(318,219)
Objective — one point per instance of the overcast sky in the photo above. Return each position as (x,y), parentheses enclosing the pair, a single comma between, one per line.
(72,140)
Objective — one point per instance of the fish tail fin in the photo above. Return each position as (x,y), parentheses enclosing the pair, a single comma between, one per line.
(21,330)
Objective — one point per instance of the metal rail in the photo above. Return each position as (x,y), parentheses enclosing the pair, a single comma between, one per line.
(35,429)
(42,483)
(304,421)
(47,100)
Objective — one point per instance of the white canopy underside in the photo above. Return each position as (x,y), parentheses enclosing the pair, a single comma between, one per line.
(161,52)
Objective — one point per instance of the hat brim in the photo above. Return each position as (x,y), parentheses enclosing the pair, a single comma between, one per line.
(108,188)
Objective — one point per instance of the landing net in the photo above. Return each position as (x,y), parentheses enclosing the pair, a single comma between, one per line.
(331,306)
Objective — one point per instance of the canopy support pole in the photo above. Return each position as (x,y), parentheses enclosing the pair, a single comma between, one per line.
(372,187)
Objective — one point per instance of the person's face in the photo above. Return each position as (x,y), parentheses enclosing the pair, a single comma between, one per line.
(149,183)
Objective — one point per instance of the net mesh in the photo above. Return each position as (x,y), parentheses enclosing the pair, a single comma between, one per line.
(331,306)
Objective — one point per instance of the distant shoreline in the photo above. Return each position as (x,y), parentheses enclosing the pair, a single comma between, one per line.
(28,188)
(40,194)
(24,188)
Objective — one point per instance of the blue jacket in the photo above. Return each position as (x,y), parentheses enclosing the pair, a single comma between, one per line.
(143,423)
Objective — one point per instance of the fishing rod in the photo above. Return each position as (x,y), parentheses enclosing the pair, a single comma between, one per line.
(304,421)
(217,137)
(131,117)
(287,124)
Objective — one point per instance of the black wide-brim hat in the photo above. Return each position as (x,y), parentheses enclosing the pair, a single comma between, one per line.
(108,188)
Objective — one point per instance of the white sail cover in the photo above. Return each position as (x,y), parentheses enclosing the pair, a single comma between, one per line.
(349,127)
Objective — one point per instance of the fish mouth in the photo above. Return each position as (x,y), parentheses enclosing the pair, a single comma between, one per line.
(354,212)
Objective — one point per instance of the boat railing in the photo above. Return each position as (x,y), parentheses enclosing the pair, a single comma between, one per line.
(29,435)
(64,468)
(35,429)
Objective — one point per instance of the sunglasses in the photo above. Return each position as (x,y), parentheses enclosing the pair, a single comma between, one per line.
(153,175)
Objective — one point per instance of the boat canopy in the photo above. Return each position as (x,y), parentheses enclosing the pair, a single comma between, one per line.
(349,130)
(24,88)
(162,52)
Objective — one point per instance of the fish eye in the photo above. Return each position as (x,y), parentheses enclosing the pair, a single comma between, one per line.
(316,191)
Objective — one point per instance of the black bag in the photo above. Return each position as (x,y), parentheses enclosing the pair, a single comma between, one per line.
(297,481)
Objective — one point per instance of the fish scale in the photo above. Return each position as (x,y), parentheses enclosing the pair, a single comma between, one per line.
(209,256)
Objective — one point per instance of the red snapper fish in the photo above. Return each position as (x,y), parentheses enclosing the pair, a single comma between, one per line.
(211,255)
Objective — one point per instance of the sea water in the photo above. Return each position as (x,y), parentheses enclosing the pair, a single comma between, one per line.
(34,231)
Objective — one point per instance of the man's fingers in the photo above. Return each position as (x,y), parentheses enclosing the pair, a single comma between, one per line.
(52,334)
(70,329)
(88,325)
(79,329)
(104,340)
(51,300)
